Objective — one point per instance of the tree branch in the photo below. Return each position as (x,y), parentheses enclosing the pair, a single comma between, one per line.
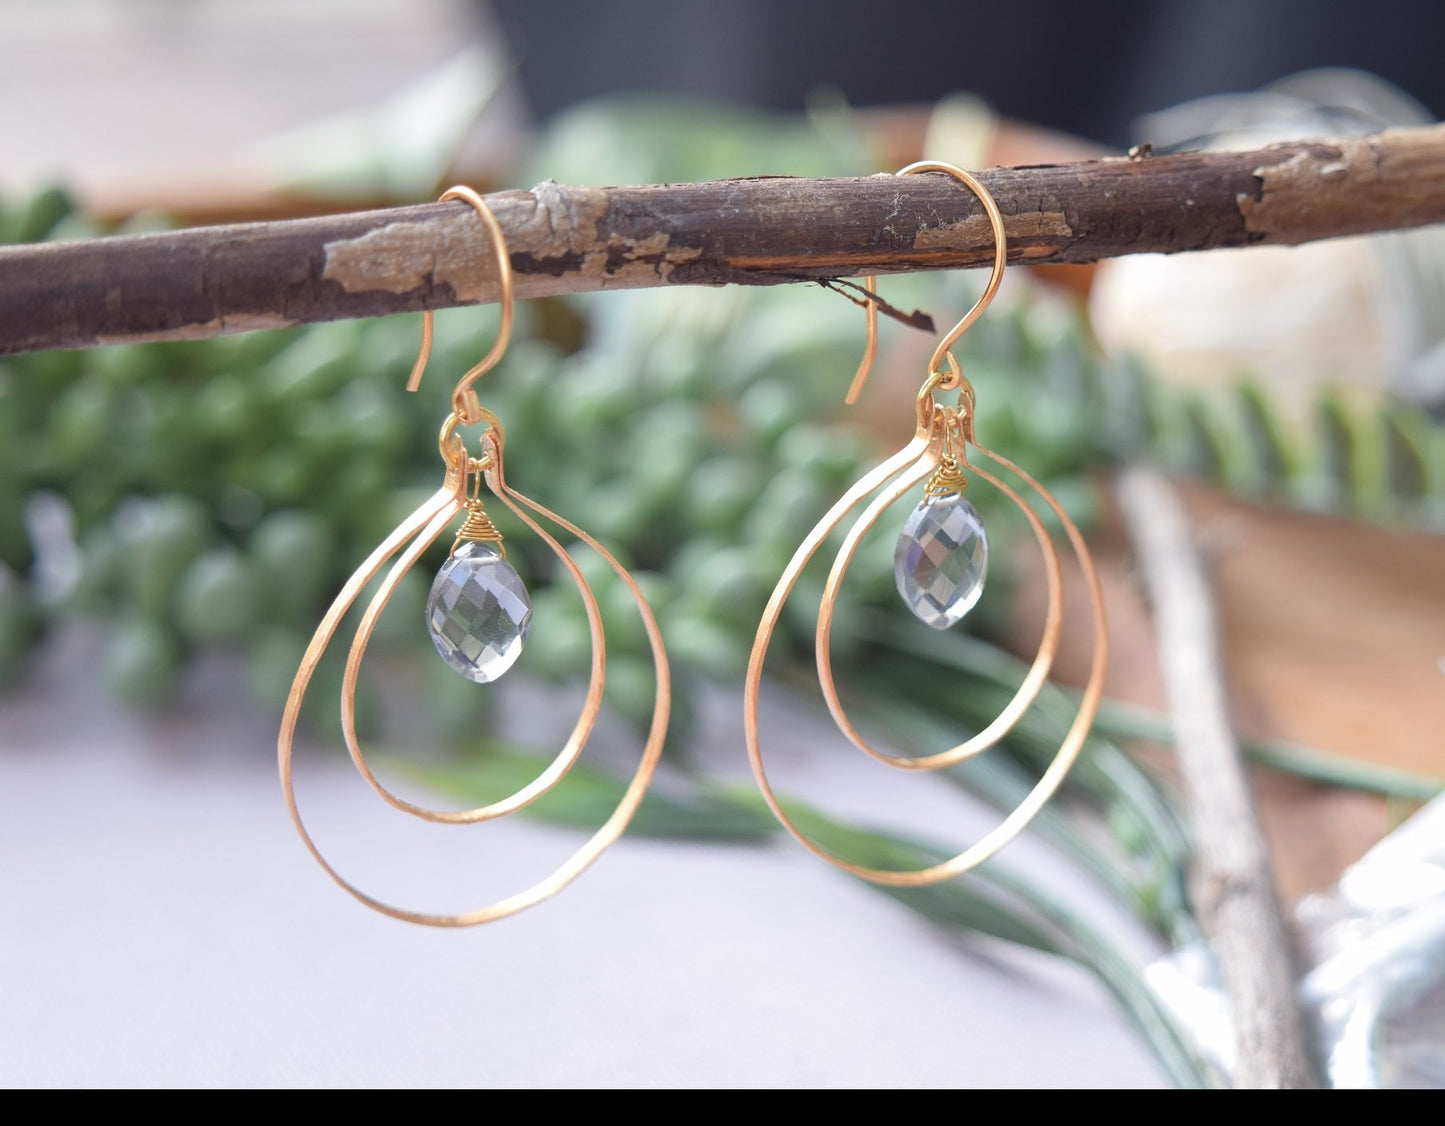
(1234,891)
(768,231)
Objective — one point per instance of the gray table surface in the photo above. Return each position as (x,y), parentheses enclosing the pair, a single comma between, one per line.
(163,926)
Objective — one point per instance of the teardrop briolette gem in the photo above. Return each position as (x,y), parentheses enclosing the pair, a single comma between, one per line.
(478,612)
(941,560)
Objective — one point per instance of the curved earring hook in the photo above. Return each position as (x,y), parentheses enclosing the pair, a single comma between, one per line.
(464,400)
(952,377)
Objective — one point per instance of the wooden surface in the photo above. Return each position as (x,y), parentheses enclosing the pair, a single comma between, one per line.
(213,280)
(1332,632)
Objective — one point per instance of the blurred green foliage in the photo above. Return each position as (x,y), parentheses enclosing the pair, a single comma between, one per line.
(221,489)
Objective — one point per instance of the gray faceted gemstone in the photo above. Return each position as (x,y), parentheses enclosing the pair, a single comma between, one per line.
(478,612)
(941,560)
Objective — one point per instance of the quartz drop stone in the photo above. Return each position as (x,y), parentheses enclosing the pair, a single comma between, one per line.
(941,560)
(478,612)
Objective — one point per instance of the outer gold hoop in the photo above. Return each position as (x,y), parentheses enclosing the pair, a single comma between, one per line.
(610,829)
(1068,751)
(586,720)
(415,534)
(1033,681)
(910,465)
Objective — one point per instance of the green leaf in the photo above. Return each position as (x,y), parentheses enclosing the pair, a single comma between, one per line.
(140,663)
(159,539)
(20,625)
(1406,435)
(218,597)
(1274,460)
(1129,721)
(40,214)
(586,797)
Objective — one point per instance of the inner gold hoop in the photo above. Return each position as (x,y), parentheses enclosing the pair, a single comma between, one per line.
(587,719)
(914,462)
(1038,673)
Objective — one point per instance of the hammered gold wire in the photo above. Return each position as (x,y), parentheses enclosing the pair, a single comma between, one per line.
(1034,679)
(586,721)
(941,353)
(610,830)
(478,528)
(464,400)
(417,532)
(1048,783)
(946,481)
(924,455)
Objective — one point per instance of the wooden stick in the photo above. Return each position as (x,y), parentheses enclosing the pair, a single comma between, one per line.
(1234,891)
(212,280)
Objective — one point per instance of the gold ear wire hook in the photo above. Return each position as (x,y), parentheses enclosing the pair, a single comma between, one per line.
(941,353)
(464,399)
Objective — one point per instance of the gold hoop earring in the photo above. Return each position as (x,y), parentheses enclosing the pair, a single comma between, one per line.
(944,524)
(478,614)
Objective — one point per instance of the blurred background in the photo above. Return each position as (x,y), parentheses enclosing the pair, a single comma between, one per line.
(175,517)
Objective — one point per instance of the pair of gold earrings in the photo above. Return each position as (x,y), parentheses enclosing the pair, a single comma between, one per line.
(478,611)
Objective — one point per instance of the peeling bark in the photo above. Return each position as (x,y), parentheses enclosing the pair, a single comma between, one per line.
(761,231)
